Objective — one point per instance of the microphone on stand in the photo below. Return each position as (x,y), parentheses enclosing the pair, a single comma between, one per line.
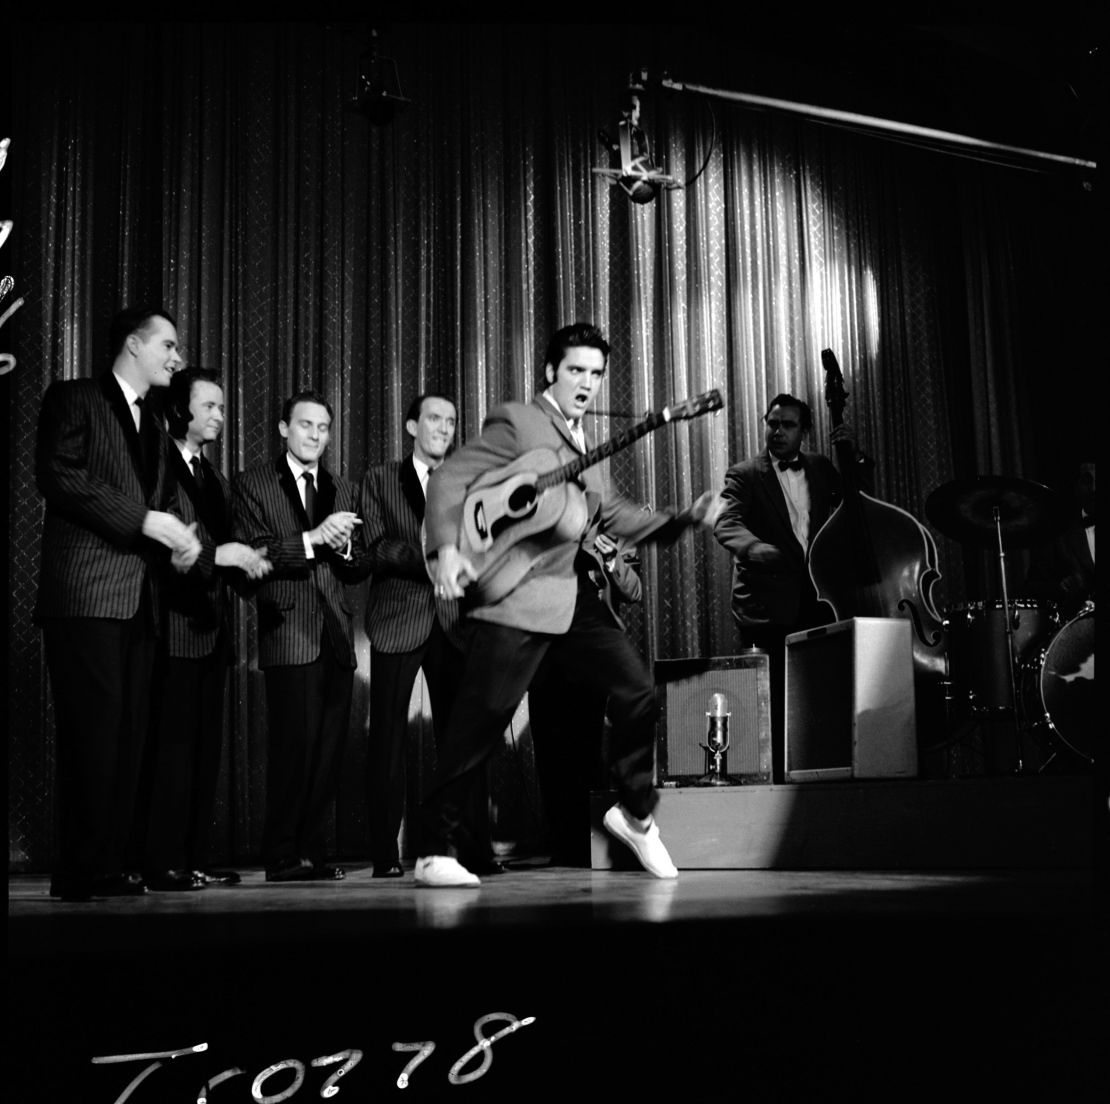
(716,743)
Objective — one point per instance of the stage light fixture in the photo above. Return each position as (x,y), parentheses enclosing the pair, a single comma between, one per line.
(378,93)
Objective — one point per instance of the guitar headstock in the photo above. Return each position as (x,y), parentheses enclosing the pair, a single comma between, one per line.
(835,394)
(693,408)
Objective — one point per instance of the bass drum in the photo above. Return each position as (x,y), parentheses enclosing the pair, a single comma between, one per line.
(977,648)
(1058,686)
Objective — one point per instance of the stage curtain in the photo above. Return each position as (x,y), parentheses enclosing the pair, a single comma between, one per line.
(220,169)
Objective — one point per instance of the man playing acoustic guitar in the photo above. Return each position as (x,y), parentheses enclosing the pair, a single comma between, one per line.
(536,600)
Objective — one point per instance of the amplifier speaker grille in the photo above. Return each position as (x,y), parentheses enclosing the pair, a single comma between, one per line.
(684,687)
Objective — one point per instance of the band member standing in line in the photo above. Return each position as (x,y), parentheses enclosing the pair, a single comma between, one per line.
(100,466)
(307,520)
(196,647)
(554,609)
(409,629)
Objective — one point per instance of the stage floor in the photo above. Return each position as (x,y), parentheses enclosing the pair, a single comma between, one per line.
(787,984)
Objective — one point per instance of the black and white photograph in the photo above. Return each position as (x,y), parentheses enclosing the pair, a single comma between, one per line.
(553,560)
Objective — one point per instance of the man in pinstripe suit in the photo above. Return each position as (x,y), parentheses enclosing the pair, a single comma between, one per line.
(196,647)
(100,466)
(307,520)
(409,629)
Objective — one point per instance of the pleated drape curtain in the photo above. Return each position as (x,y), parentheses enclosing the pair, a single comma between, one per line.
(219,169)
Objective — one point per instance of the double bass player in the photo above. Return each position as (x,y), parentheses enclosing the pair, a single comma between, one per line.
(773,505)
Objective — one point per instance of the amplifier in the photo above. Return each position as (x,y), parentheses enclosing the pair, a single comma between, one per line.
(850,701)
(684,688)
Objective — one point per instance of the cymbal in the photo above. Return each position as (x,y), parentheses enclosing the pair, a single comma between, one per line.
(1028,513)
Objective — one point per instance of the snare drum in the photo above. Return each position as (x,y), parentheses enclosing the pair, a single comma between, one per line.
(1058,685)
(977,641)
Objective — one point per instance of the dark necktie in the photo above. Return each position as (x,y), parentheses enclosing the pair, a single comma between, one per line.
(310,497)
(198,473)
(790,465)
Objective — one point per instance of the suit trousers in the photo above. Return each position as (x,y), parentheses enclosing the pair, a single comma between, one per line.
(186,742)
(308,708)
(500,665)
(568,736)
(100,675)
(392,675)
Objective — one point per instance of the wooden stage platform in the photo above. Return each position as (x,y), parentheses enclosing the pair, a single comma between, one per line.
(888,941)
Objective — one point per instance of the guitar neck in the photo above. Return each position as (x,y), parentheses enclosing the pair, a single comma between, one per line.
(579,464)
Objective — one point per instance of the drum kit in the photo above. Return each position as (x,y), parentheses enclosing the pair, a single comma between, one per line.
(1017,659)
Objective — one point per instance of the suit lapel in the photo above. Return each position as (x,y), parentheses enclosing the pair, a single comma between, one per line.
(593,499)
(773,488)
(120,407)
(209,505)
(289,485)
(411,489)
(325,493)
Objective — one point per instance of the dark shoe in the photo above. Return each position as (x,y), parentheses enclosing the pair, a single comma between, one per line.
(174,881)
(218,877)
(85,889)
(289,870)
(321,872)
(70,889)
(388,870)
(118,885)
(485,867)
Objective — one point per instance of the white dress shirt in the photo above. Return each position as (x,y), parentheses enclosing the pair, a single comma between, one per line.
(796,491)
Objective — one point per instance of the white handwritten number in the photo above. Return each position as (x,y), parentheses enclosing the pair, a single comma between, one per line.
(353,1057)
(423,1050)
(219,1079)
(269,1071)
(455,1076)
(115,1059)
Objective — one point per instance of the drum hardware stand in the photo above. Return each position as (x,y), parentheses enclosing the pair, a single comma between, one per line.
(997,514)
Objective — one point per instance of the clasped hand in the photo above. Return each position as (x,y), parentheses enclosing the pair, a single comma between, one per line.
(335,530)
(179,538)
(251,561)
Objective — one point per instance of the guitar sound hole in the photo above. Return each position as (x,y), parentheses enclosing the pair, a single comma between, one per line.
(522,500)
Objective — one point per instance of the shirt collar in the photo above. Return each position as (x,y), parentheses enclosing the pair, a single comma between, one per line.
(297,468)
(129,392)
(422,469)
(574,427)
(186,452)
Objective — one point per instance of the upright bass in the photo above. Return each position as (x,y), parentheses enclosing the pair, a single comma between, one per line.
(873,559)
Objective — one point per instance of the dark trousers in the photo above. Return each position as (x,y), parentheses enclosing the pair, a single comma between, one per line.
(568,733)
(501,663)
(100,675)
(184,760)
(308,710)
(392,675)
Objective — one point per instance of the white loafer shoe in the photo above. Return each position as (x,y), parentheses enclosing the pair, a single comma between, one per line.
(644,841)
(442,870)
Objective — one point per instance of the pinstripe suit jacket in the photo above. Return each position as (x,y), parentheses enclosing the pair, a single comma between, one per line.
(301,598)
(401,608)
(197,604)
(544,599)
(90,469)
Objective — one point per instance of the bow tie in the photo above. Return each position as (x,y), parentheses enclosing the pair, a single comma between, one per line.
(791,465)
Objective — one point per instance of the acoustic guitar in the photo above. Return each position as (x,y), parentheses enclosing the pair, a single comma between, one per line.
(514,514)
